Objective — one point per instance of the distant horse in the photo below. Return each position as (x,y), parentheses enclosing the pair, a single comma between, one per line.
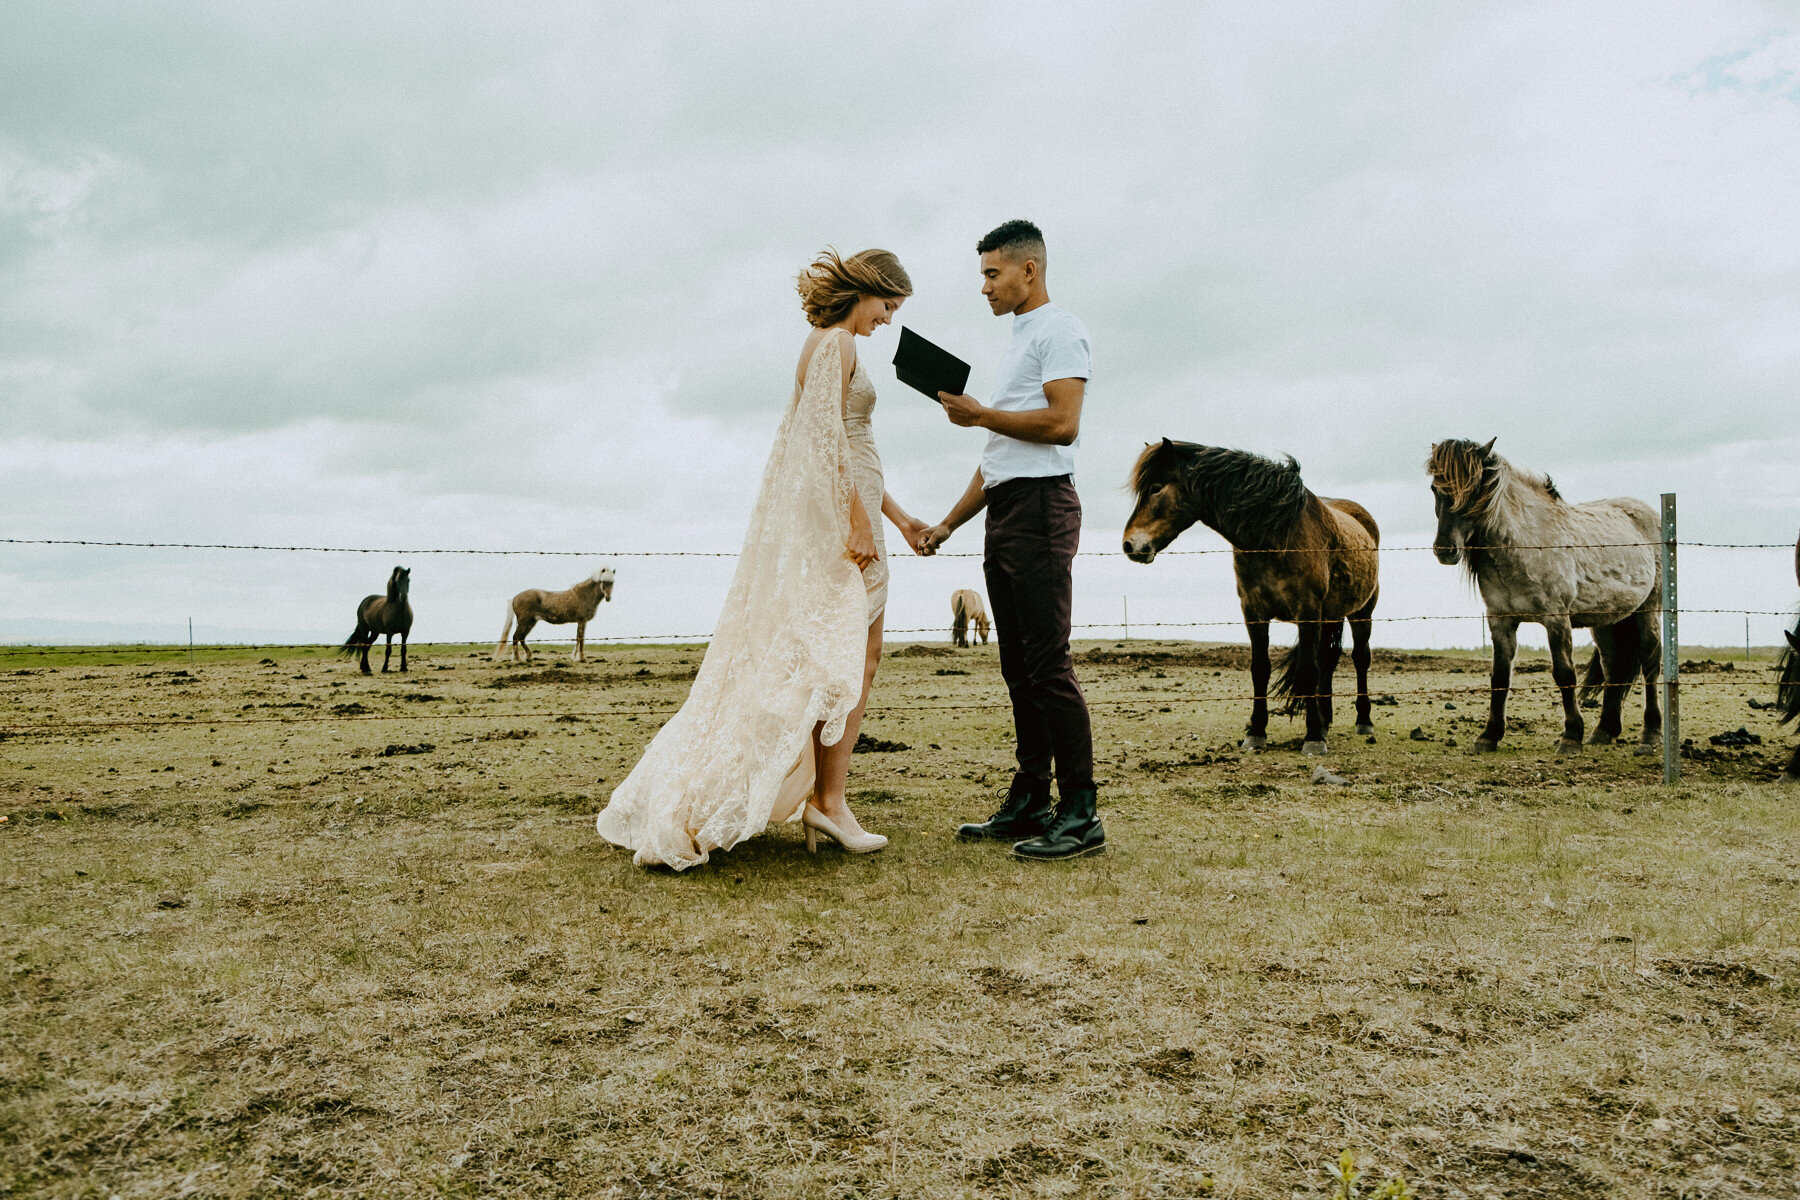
(1538,558)
(1298,557)
(966,609)
(378,615)
(1787,693)
(578,604)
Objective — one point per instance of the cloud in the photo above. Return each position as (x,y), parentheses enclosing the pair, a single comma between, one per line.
(468,272)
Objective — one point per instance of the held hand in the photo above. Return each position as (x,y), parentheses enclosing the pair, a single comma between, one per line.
(859,547)
(962,410)
(912,530)
(931,538)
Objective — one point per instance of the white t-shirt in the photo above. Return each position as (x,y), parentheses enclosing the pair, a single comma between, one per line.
(1047,344)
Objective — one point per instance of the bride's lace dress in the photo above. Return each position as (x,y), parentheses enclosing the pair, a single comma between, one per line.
(865,468)
(787,651)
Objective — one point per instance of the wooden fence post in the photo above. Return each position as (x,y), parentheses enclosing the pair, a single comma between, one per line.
(1671,648)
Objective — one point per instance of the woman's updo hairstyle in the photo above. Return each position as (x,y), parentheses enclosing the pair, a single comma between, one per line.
(830,287)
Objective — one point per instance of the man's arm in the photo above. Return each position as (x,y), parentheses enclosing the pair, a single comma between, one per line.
(974,499)
(1056,425)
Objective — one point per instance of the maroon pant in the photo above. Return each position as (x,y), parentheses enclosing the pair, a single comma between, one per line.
(1033,529)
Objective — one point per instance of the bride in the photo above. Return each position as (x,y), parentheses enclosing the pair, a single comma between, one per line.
(766,732)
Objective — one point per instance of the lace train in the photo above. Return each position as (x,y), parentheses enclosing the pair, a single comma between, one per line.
(787,653)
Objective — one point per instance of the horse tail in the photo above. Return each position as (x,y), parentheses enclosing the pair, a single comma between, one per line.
(1787,689)
(505,632)
(1287,676)
(356,641)
(1593,680)
(1287,667)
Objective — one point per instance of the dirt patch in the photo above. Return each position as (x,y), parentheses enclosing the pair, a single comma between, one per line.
(1233,658)
(922,650)
(547,675)
(1733,974)
(1173,1063)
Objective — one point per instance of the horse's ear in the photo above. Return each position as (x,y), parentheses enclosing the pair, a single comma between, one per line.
(1167,444)
(1487,451)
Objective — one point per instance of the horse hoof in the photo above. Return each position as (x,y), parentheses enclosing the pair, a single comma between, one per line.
(1483,746)
(1253,743)
(1365,730)
(1603,737)
(1314,748)
(1646,748)
(1566,746)
(1790,780)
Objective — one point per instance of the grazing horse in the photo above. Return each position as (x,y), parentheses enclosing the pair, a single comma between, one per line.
(378,615)
(578,604)
(1536,557)
(966,609)
(1788,693)
(1298,557)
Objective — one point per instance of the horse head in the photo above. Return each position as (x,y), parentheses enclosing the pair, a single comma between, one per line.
(1164,507)
(600,583)
(1460,484)
(398,583)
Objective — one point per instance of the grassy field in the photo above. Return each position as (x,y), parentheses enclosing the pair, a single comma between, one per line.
(271,928)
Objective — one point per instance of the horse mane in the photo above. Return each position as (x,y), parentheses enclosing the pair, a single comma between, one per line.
(1141,478)
(1248,498)
(1487,490)
(1459,469)
(1476,479)
(1479,482)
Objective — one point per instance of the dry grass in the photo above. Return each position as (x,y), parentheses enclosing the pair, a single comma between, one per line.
(271,959)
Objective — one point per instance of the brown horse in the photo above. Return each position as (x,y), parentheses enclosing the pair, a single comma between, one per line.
(378,615)
(1788,693)
(578,604)
(966,609)
(1298,557)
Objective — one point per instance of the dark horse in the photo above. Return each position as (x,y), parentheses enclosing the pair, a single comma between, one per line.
(1299,558)
(1788,693)
(378,615)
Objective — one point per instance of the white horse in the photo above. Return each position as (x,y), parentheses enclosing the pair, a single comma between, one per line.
(578,604)
(1538,558)
(966,609)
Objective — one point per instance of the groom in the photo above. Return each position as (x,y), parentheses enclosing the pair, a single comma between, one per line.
(1033,526)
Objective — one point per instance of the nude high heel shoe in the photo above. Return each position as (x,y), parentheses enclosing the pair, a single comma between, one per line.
(817,822)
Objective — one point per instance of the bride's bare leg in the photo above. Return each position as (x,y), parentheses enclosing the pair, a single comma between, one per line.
(834,761)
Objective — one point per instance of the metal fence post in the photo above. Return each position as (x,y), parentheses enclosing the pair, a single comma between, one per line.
(1671,647)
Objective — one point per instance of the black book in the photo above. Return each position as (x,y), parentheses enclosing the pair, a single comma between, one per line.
(927,367)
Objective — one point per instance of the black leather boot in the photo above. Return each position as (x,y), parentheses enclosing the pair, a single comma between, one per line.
(1075,831)
(1024,813)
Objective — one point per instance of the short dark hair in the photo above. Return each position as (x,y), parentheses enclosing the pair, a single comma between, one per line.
(1020,239)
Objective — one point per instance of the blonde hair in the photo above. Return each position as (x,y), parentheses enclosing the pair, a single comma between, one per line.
(830,286)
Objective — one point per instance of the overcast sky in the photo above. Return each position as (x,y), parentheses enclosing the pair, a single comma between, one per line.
(520,276)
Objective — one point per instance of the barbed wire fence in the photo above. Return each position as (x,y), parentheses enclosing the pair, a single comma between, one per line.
(1668,547)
